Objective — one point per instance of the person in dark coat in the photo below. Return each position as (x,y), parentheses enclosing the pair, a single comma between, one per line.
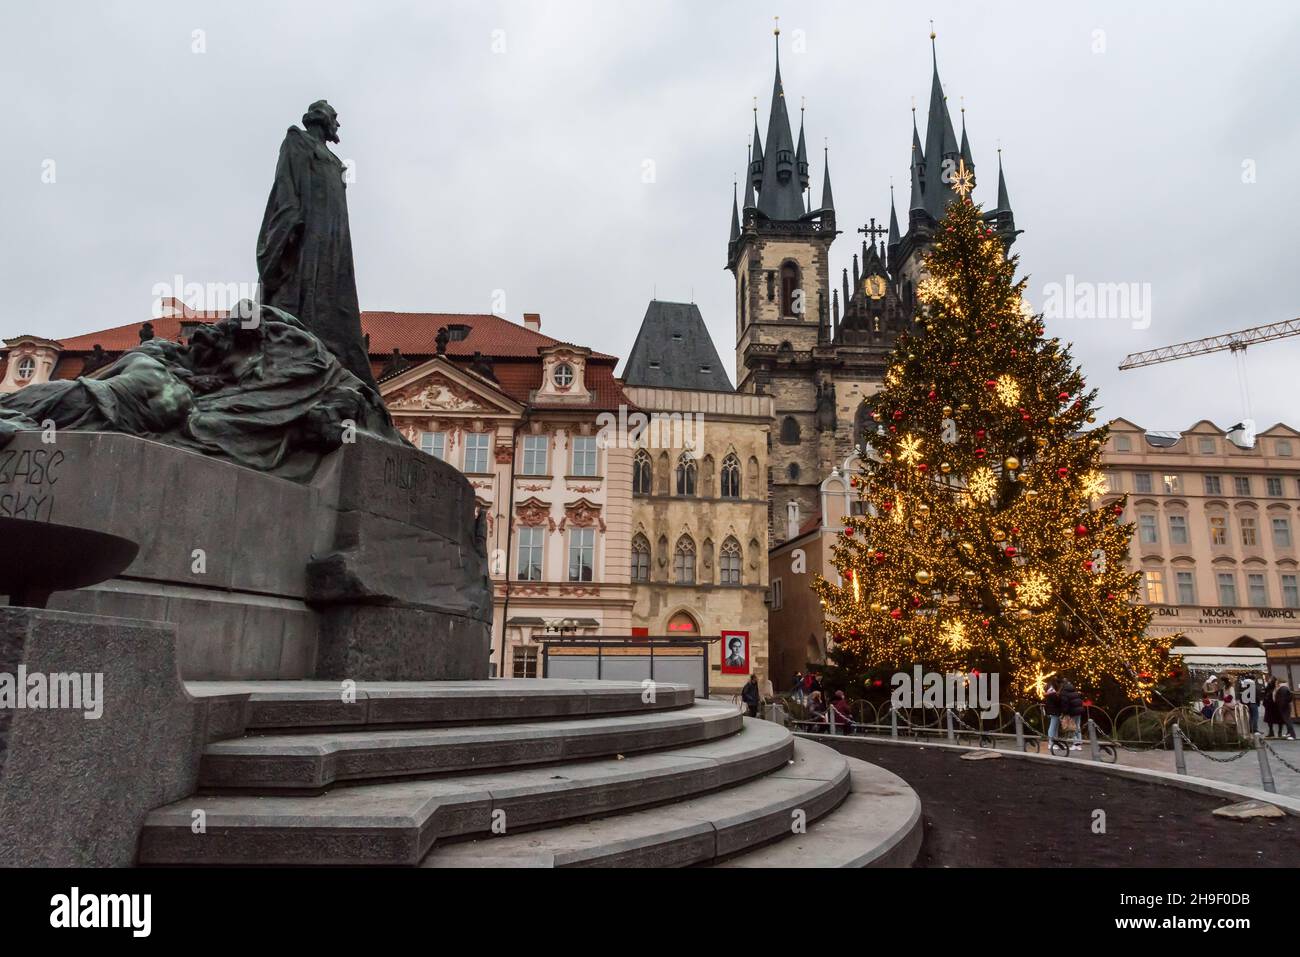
(1072,706)
(750,696)
(840,712)
(1272,717)
(1284,697)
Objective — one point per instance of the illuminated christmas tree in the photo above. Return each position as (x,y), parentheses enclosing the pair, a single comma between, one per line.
(983,541)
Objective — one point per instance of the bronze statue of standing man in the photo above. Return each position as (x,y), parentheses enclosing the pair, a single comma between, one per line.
(304,251)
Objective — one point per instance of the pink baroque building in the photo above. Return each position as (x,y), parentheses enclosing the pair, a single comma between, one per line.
(1217,521)
(517,411)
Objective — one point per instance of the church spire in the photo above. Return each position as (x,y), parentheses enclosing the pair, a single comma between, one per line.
(965,146)
(749,183)
(735,215)
(1004,201)
(801,153)
(780,196)
(894,238)
(755,153)
(918,168)
(940,144)
(828,201)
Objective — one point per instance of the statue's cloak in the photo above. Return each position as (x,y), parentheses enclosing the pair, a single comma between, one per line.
(304,251)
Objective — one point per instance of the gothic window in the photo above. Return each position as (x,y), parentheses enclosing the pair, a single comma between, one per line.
(789,431)
(684,561)
(729,562)
(731,476)
(643,478)
(640,559)
(771,285)
(744,301)
(790,306)
(686,470)
(793,471)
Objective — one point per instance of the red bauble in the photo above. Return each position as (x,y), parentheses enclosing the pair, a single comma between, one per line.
(916,601)
(887,505)
(933,394)
(1015,531)
(1024,418)
(991,385)
(1110,597)
(896,614)
(1081,530)
(1087,702)
(1063,396)
(1119,510)
(849,531)
(893,429)
(980,433)
(1088,565)
(1011,551)
(898,415)
(1063,471)
(979,453)
(922,467)
(880,557)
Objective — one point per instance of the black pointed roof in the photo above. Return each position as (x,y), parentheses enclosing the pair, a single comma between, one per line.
(673,350)
(780,197)
(735,216)
(828,201)
(940,144)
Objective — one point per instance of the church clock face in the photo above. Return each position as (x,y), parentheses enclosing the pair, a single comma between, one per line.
(874,286)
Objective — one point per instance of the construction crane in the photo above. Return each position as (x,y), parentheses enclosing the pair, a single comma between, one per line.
(1229,342)
(1234,342)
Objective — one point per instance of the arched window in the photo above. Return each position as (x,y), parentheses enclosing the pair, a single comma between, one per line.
(792,470)
(640,559)
(643,475)
(730,487)
(789,431)
(790,302)
(684,561)
(729,562)
(686,470)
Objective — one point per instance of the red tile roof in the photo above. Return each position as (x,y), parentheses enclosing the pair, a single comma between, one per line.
(514,347)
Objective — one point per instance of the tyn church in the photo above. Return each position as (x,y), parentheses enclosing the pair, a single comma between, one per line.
(817,347)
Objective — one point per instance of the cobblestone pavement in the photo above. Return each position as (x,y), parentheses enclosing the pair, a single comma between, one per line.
(1245,771)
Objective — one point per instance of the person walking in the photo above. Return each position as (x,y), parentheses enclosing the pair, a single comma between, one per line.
(1284,697)
(1052,709)
(1270,707)
(749,695)
(1072,707)
(840,713)
(797,692)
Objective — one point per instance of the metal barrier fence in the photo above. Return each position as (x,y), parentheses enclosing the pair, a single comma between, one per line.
(1133,728)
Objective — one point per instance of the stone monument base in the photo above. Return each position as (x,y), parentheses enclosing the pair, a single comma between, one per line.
(96,730)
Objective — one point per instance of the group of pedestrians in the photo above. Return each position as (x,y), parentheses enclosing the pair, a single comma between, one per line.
(808,692)
(1242,699)
(1065,710)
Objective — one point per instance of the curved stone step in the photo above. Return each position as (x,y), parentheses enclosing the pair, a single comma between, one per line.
(693,831)
(878,825)
(396,822)
(286,705)
(318,760)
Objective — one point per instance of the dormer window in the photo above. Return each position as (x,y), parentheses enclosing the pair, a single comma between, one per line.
(563,375)
(458,332)
(26,368)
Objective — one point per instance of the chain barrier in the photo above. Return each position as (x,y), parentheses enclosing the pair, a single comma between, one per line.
(1273,751)
(1208,756)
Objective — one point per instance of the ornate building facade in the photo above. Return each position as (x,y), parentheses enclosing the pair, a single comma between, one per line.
(699,495)
(817,348)
(517,411)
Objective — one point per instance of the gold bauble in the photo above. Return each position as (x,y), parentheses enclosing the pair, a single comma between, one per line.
(965,407)
(923,509)
(922,577)
(876,607)
(1024,613)
(999,535)
(1041,442)
(1092,419)
(917,523)
(945,467)
(1012,463)
(888,456)
(969,574)
(1031,494)
(968,548)
(947,412)
(1051,420)
(906,639)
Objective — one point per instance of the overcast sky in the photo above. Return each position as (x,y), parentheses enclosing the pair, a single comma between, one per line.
(504,146)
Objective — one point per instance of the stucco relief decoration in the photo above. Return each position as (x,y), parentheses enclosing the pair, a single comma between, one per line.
(582,514)
(584,488)
(434,394)
(579,591)
(505,454)
(534,513)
